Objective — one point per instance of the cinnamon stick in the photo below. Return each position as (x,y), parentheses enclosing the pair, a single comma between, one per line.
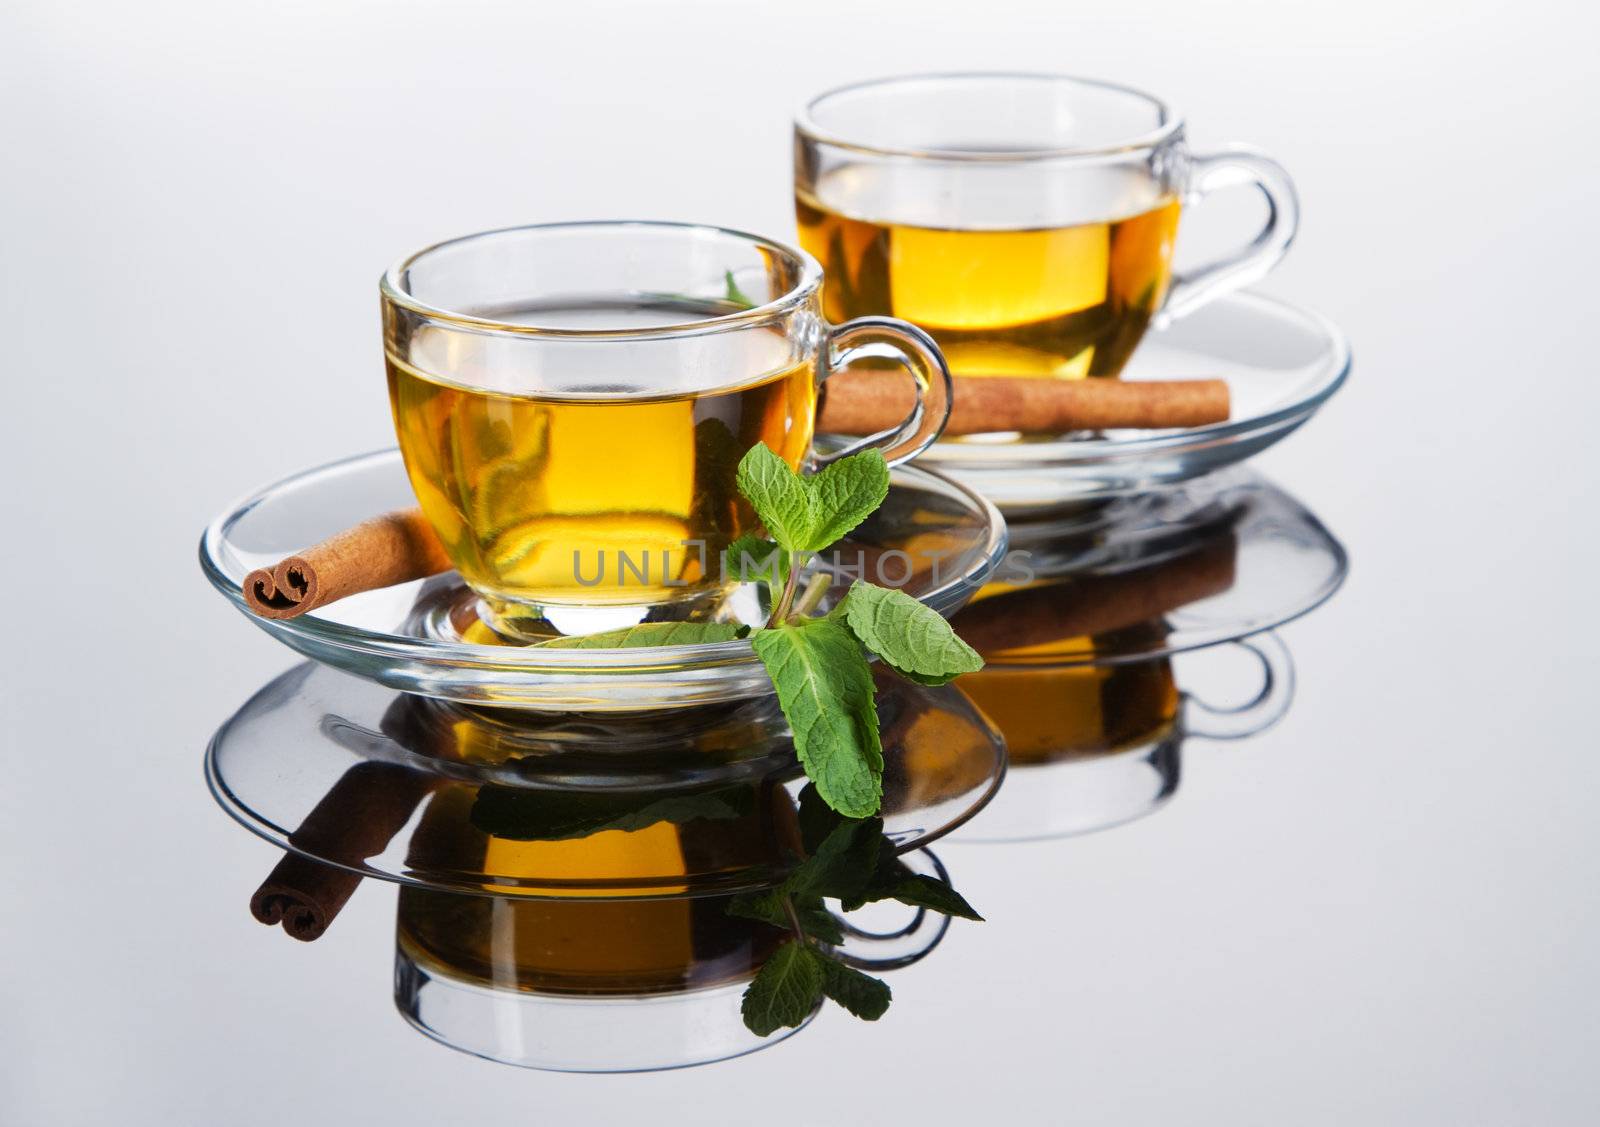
(355,820)
(868,402)
(394,548)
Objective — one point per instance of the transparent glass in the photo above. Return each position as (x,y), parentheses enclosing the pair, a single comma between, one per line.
(572,402)
(1026,221)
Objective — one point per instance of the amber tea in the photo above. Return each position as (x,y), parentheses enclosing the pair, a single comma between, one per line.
(1063,301)
(593,495)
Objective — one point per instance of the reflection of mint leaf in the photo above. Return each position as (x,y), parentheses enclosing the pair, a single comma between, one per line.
(526,814)
(825,689)
(750,557)
(929,892)
(779,496)
(861,994)
(843,865)
(892,879)
(845,493)
(851,861)
(815,920)
(735,295)
(652,634)
(786,990)
(908,635)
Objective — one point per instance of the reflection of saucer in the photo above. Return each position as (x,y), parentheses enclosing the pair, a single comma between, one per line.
(1281,364)
(1210,561)
(691,802)
(942,538)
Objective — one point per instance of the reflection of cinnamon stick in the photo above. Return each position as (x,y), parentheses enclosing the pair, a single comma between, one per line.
(1096,604)
(868,402)
(355,820)
(394,548)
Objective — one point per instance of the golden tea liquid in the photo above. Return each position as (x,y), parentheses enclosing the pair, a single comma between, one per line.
(1061,301)
(595,492)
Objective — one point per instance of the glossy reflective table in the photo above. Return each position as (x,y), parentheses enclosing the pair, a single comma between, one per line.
(1380,910)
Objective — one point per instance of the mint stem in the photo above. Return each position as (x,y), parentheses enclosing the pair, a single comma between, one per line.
(780,610)
(816,587)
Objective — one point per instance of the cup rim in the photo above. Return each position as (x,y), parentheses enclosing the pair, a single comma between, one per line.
(808,282)
(1171,125)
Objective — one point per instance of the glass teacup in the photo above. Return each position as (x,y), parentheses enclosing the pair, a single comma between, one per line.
(572,402)
(1026,221)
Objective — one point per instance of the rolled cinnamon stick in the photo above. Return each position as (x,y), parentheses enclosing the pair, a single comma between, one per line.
(394,548)
(353,821)
(868,402)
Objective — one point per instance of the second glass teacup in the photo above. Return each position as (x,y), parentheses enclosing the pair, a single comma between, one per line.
(572,402)
(1026,220)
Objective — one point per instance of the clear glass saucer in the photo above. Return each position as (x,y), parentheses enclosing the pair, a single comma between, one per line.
(940,537)
(1128,579)
(515,804)
(1281,364)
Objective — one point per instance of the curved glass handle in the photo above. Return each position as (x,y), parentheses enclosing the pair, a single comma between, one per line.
(1233,166)
(1254,716)
(889,950)
(903,342)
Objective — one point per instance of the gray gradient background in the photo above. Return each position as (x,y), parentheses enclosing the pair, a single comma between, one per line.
(1384,911)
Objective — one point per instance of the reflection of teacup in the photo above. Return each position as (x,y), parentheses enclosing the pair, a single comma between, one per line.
(579,985)
(1094,740)
(1094,746)
(579,981)
(572,401)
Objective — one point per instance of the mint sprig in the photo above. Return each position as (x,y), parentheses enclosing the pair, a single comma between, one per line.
(818,664)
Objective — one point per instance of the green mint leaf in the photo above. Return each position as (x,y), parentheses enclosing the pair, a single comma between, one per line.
(844,494)
(525,814)
(735,295)
(825,689)
(861,994)
(651,634)
(751,557)
(785,990)
(778,495)
(908,635)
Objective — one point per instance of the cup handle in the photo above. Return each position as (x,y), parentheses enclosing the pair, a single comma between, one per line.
(889,950)
(914,349)
(1233,166)
(1254,716)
